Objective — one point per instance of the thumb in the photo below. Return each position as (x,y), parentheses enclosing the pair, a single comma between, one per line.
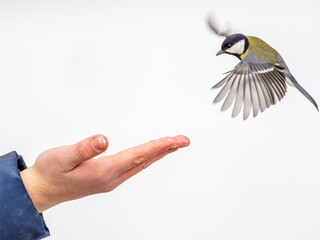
(83,150)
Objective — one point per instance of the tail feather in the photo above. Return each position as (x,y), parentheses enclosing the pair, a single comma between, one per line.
(304,92)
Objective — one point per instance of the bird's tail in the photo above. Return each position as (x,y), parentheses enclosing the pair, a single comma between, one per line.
(304,92)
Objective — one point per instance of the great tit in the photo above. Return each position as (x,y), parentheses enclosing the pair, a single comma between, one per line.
(258,81)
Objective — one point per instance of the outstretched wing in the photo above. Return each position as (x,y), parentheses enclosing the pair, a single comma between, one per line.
(212,23)
(253,85)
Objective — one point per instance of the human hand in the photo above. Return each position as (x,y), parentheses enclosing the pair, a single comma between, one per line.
(70,172)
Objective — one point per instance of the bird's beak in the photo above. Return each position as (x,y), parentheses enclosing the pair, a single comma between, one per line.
(220,52)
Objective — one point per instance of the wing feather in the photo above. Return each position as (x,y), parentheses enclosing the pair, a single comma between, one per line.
(261,96)
(232,93)
(226,87)
(239,99)
(253,85)
(273,81)
(264,90)
(247,99)
(276,86)
(266,86)
(254,96)
(281,82)
(223,81)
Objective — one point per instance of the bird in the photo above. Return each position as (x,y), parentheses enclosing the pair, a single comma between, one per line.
(259,80)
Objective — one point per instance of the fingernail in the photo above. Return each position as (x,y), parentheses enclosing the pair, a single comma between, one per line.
(99,143)
(186,143)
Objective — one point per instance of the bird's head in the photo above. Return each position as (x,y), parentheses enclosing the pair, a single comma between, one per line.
(235,44)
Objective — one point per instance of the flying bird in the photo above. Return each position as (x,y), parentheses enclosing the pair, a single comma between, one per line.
(259,80)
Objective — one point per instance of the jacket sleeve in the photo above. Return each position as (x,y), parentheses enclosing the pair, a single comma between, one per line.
(19,219)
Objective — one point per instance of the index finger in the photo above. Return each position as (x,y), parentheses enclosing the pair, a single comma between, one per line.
(132,157)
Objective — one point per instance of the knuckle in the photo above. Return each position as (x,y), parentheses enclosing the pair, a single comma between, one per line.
(138,161)
(143,165)
(137,158)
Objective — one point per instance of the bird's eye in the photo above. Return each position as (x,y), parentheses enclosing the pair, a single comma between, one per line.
(229,45)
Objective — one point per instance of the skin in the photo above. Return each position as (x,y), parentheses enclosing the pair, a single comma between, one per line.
(70,172)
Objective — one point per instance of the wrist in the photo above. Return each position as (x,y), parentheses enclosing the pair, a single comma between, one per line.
(33,184)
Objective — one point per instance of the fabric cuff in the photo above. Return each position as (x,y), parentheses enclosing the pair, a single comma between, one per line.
(19,219)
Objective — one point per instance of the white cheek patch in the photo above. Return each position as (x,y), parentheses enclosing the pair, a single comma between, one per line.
(237,48)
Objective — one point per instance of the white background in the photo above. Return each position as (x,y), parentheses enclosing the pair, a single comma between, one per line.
(138,70)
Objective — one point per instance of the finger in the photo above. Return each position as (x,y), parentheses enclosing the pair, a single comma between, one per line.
(83,150)
(133,171)
(132,157)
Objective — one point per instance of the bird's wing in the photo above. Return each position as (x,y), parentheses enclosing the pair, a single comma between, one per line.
(212,23)
(253,85)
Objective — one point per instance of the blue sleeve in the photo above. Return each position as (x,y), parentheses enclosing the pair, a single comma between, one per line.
(19,219)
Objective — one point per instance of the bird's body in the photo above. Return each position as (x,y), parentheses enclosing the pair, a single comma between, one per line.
(266,52)
(258,81)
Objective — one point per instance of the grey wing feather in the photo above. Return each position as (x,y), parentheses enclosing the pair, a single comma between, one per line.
(232,94)
(212,23)
(254,96)
(253,85)
(239,99)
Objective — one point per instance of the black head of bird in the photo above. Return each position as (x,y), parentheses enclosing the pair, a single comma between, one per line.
(235,44)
